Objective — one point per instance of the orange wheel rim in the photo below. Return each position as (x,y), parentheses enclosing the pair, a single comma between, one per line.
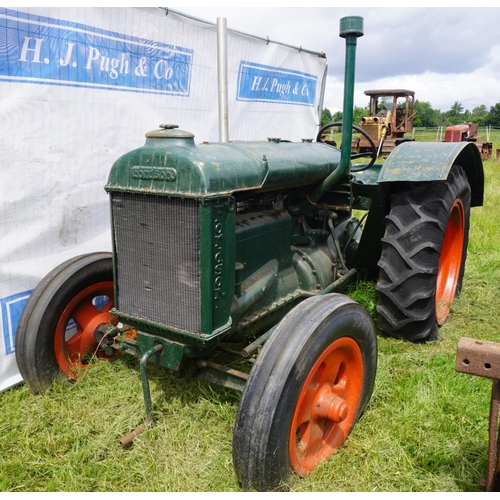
(450,261)
(327,405)
(74,335)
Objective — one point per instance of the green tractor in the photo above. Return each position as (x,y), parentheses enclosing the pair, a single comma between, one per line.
(244,250)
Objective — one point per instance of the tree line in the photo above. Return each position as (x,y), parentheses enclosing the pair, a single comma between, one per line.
(427,116)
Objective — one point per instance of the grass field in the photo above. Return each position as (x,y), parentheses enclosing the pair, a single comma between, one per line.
(425,429)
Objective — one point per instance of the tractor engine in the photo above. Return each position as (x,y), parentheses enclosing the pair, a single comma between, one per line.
(208,239)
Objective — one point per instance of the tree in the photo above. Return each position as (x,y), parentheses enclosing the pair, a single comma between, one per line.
(456,109)
(455,114)
(494,115)
(326,117)
(425,115)
(480,116)
(359,113)
(337,116)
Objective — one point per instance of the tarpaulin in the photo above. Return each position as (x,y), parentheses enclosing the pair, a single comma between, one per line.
(81,86)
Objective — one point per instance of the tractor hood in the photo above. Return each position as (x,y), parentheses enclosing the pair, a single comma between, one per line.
(170,163)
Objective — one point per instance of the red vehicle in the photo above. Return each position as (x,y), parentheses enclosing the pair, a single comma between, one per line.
(468,132)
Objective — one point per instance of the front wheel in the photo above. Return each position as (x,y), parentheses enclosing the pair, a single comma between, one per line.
(306,391)
(57,328)
(423,257)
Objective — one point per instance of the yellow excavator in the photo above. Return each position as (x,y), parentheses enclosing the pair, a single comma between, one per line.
(391,117)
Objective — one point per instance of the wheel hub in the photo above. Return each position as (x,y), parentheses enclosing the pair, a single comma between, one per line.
(329,406)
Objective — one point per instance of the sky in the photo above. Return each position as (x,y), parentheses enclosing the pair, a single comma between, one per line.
(444,54)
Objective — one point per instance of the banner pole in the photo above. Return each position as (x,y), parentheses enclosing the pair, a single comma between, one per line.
(222,79)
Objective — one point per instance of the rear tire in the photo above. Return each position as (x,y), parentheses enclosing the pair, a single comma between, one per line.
(307,389)
(56,328)
(423,257)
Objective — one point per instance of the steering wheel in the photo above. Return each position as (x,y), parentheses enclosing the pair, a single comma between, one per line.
(372,152)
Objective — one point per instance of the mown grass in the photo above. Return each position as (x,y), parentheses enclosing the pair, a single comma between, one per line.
(425,429)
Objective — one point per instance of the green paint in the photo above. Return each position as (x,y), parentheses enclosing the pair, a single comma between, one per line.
(432,161)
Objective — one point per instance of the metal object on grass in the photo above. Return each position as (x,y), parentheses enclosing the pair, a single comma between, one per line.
(482,358)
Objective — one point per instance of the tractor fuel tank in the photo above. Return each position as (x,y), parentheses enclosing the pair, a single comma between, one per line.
(170,163)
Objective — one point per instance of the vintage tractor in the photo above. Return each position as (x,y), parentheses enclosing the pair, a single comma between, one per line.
(391,117)
(242,250)
(468,132)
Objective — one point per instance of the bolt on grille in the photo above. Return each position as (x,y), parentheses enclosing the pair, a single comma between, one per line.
(157,246)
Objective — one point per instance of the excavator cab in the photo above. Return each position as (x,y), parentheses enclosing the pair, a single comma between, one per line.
(391,117)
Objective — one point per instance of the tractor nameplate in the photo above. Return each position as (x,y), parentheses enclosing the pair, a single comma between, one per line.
(153,174)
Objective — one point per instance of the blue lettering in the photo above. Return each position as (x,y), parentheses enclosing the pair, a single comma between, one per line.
(36,50)
(281,85)
(73,54)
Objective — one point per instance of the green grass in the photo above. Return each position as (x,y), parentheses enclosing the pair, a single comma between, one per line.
(425,429)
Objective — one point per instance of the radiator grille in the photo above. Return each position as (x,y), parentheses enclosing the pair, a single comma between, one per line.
(157,247)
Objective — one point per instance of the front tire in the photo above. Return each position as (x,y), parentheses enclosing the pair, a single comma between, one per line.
(423,257)
(56,329)
(306,391)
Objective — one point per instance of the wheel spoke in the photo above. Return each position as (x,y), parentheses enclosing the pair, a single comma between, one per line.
(345,379)
(78,346)
(84,313)
(309,393)
(311,436)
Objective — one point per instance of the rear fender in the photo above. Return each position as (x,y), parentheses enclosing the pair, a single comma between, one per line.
(432,161)
(410,162)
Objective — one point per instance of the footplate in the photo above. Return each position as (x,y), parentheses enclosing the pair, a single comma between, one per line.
(482,358)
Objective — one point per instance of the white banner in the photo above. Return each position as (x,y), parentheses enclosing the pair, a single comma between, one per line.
(80,87)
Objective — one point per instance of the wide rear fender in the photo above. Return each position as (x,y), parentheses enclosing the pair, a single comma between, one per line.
(432,161)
